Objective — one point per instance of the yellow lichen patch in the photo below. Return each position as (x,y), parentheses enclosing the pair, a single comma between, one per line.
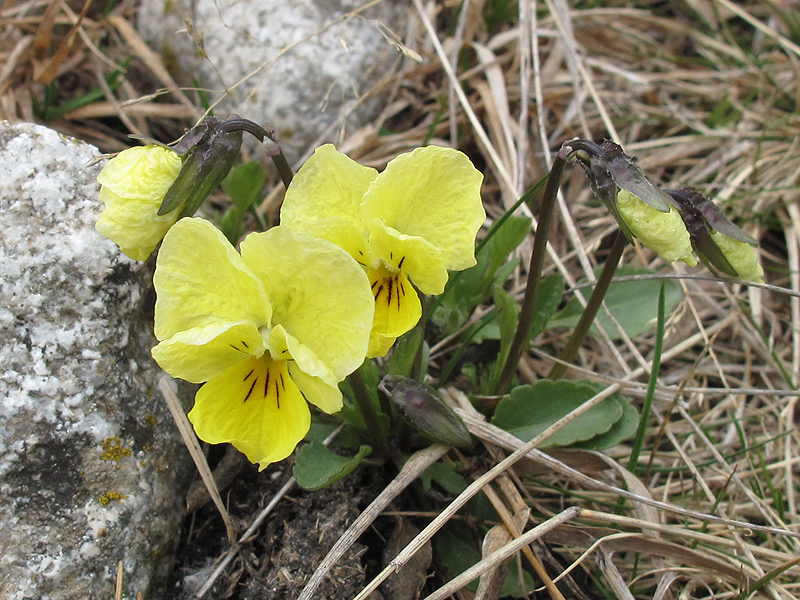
(111,496)
(151,420)
(113,450)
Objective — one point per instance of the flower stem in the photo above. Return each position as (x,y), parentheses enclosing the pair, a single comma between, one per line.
(520,341)
(592,306)
(261,133)
(284,169)
(367,408)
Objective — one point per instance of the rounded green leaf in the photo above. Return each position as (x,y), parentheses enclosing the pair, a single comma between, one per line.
(317,466)
(530,409)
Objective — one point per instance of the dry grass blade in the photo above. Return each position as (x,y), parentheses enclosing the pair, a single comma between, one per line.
(498,556)
(167,387)
(412,469)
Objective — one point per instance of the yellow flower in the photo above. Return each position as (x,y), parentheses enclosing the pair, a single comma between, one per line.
(663,232)
(134,184)
(411,223)
(281,323)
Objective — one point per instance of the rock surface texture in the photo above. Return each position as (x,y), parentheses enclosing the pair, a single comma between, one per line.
(308,63)
(91,464)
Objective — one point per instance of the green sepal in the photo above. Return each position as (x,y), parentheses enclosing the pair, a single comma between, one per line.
(208,154)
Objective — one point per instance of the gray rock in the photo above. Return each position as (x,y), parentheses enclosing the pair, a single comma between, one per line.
(310,63)
(91,464)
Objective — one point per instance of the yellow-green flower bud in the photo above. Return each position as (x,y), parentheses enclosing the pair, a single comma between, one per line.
(741,257)
(663,232)
(134,184)
(720,244)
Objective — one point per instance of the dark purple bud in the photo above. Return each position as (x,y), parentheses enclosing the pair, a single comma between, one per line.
(424,408)
(609,170)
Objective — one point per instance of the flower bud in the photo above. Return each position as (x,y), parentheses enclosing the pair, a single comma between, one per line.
(424,408)
(720,244)
(133,185)
(641,210)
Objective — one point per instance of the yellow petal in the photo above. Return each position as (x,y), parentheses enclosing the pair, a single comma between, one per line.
(201,280)
(142,172)
(133,225)
(200,353)
(741,256)
(663,232)
(324,198)
(133,185)
(319,294)
(433,193)
(255,406)
(397,308)
(283,346)
(422,261)
(324,396)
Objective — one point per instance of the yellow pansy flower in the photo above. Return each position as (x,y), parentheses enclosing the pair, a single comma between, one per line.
(134,184)
(410,223)
(280,324)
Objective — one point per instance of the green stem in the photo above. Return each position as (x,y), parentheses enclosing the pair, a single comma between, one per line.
(651,384)
(367,408)
(592,306)
(520,341)
(284,169)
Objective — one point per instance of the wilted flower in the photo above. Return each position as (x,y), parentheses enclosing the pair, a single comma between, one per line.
(416,220)
(282,323)
(134,184)
(720,244)
(641,210)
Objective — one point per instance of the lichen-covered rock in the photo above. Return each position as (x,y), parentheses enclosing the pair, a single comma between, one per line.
(309,61)
(92,468)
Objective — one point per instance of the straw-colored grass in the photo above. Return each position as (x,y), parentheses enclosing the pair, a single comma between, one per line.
(703,93)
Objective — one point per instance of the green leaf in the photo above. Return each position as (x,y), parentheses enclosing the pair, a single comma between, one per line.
(548,296)
(530,409)
(445,475)
(317,466)
(467,289)
(619,432)
(404,352)
(633,303)
(243,184)
(507,317)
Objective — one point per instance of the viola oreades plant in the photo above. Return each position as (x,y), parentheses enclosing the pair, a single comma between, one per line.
(411,223)
(281,323)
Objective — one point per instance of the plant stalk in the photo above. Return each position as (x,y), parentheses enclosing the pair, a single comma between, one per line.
(367,408)
(520,341)
(592,307)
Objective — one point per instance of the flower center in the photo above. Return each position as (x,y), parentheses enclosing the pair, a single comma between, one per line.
(266,380)
(388,286)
